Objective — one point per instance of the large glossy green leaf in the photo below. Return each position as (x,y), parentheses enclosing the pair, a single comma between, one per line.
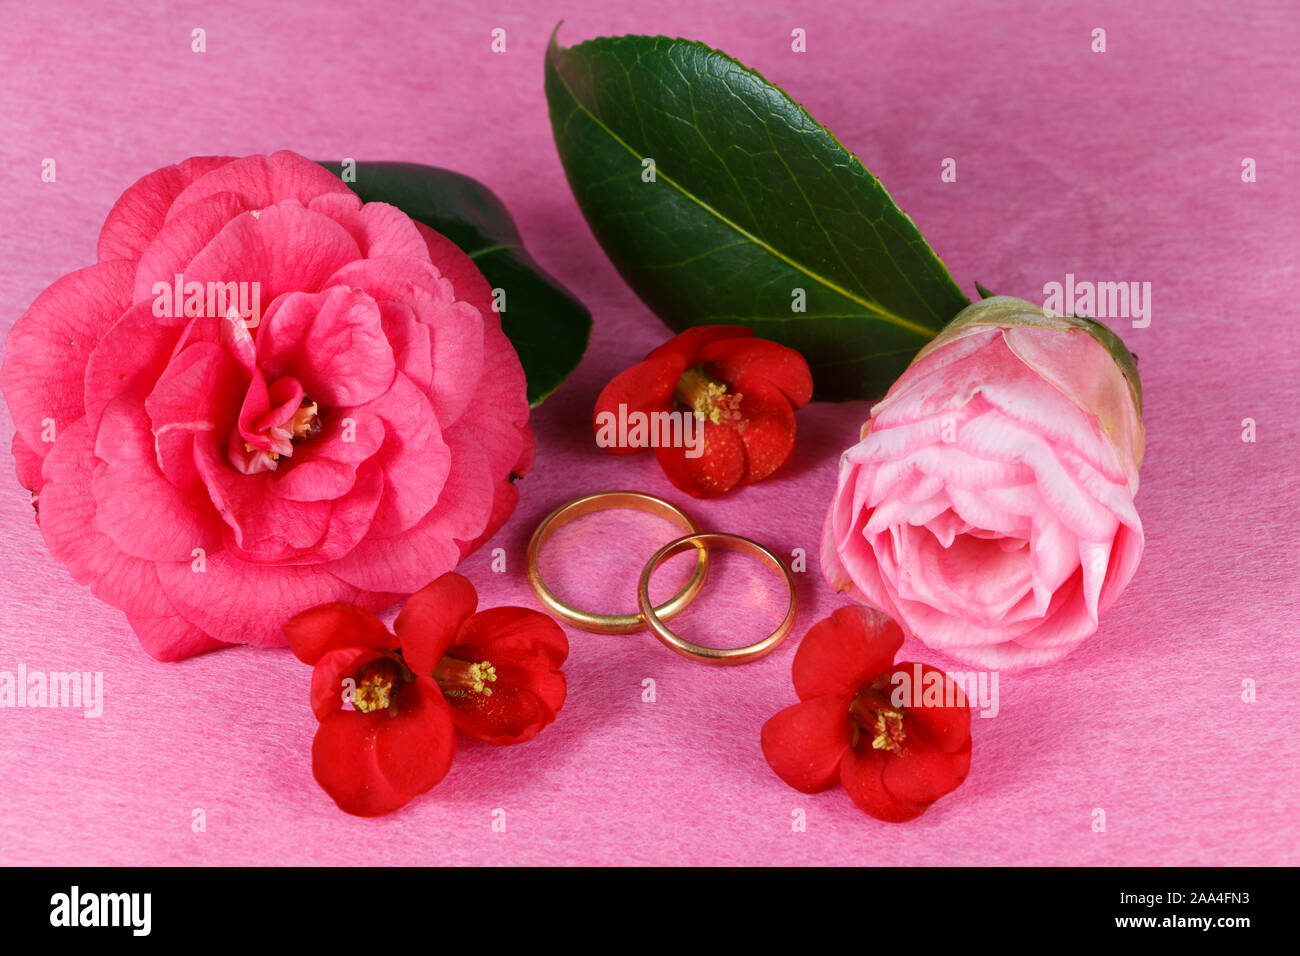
(751,199)
(545,322)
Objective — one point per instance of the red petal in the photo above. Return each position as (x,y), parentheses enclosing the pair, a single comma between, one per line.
(372,764)
(719,469)
(523,701)
(805,743)
(646,387)
(525,647)
(845,652)
(742,362)
(921,775)
(331,670)
(688,344)
(328,626)
(942,728)
(862,776)
(430,619)
(512,635)
(768,432)
(414,749)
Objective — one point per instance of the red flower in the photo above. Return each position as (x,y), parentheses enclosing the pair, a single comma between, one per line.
(896,736)
(494,674)
(741,391)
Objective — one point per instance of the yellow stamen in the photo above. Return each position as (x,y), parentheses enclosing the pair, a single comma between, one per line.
(708,397)
(376,686)
(888,729)
(306,420)
(458,678)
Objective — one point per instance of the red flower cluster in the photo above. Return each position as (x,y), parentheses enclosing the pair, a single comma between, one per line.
(741,391)
(895,752)
(494,675)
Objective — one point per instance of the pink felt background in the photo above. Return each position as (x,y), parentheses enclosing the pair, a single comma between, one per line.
(1117,166)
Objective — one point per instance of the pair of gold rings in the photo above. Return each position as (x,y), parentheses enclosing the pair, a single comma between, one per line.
(649,615)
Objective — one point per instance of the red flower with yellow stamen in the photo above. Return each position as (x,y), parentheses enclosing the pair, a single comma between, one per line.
(741,392)
(499,669)
(897,736)
(494,674)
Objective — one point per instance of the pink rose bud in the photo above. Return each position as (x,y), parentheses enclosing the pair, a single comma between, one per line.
(989,505)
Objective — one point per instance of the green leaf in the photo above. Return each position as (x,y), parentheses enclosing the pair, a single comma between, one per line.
(750,200)
(545,323)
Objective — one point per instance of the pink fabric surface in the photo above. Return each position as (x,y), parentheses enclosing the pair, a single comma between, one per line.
(1117,166)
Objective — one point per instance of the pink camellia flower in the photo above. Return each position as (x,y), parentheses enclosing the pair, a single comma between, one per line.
(988,507)
(263,397)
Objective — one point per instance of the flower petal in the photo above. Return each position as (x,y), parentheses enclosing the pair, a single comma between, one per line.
(331,670)
(845,652)
(921,775)
(646,387)
(216,599)
(718,469)
(407,561)
(262,181)
(372,764)
(50,345)
(327,627)
(414,749)
(520,706)
(806,742)
(744,362)
(284,249)
(687,344)
(138,213)
(332,341)
(429,620)
(515,635)
(861,772)
(455,326)
(379,229)
(768,432)
(939,726)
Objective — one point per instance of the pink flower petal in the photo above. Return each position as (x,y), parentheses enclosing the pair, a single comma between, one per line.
(408,561)
(325,467)
(175,246)
(333,342)
(244,603)
(50,344)
(455,327)
(262,181)
(129,359)
(138,214)
(379,229)
(285,249)
(415,458)
(127,484)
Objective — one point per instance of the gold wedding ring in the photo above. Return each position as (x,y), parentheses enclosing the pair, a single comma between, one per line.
(601,501)
(698,652)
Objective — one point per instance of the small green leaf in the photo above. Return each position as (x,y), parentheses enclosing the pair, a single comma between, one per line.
(984,293)
(545,323)
(721,201)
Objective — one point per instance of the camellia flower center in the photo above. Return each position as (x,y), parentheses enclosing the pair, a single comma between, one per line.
(377,685)
(306,420)
(874,715)
(458,678)
(708,398)
(276,441)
